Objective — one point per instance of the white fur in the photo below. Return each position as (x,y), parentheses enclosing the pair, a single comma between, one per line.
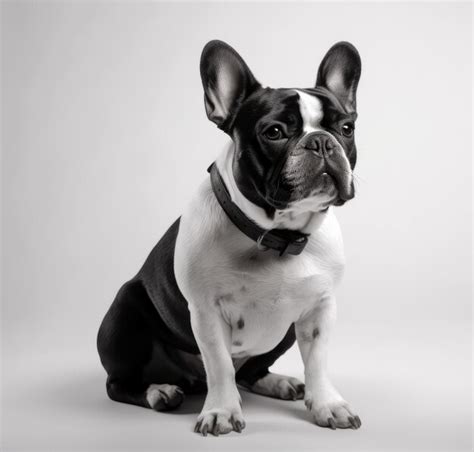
(153,394)
(275,385)
(156,392)
(214,259)
(224,278)
(311,110)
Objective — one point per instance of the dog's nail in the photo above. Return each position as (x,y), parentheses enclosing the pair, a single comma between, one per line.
(204,430)
(198,426)
(331,423)
(293,393)
(238,427)
(359,422)
(232,422)
(164,396)
(353,423)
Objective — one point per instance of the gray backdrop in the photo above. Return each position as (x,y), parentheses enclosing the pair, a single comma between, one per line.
(104,140)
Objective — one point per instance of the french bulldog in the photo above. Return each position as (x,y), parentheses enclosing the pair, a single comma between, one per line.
(252,263)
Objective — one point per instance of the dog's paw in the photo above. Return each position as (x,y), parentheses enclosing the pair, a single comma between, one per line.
(164,397)
(278,386)
(336,414)
(219,421)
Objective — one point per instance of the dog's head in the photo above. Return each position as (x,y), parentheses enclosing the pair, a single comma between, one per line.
(292,146)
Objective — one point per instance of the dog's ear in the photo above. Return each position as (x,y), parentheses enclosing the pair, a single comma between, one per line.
(339,72)
(227,82)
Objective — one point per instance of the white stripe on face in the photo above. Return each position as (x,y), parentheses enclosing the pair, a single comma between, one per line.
(311,110)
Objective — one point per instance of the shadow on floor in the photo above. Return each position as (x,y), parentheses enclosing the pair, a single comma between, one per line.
(85,391)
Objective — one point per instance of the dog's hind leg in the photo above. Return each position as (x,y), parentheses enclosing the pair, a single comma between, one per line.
(126,345)
(277,386)
(255,376)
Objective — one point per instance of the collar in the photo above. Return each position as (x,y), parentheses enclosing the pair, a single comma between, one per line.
(281,240)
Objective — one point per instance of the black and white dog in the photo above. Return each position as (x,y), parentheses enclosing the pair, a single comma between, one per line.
(252,263)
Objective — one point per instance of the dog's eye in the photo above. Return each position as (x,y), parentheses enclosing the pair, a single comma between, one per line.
(273,133)
(348,129)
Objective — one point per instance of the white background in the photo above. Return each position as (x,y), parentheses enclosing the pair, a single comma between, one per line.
(104,140)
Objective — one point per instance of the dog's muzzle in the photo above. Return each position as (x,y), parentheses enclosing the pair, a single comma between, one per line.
(335,163)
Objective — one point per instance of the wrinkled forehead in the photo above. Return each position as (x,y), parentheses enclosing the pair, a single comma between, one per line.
(302,108)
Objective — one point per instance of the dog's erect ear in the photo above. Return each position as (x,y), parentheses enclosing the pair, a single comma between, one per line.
(227,82)
(339,72)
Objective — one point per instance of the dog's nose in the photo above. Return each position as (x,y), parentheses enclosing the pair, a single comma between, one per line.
(319,143)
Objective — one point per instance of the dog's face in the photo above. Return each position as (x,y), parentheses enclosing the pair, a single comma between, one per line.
(294,148)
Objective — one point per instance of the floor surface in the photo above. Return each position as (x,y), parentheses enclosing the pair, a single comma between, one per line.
(55,401)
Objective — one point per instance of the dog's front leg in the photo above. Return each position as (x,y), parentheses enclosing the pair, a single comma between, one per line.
(325,403)
(222,410)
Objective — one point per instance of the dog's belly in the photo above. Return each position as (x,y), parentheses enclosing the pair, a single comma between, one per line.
(262,297)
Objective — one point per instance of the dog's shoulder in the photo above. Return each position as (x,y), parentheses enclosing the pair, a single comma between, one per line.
(201,226)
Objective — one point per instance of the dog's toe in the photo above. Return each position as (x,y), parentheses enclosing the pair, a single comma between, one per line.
(334,415)
(164,397)
(219,422)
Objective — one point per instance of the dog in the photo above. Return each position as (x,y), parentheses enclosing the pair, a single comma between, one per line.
(251,265)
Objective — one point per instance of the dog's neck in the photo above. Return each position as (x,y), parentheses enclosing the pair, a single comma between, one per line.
(295,218)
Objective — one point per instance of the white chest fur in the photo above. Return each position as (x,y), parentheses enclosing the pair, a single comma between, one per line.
(264,294)
(257,293)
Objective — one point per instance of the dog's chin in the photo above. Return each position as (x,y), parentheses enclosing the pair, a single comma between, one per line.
(324,194)
(313,195)
(318,199)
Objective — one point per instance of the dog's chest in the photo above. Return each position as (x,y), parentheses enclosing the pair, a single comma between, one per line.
(258,294)
(263,295)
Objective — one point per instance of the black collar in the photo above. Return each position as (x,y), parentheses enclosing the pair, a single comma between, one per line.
(281,240)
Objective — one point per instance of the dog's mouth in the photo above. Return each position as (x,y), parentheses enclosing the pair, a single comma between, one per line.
(339,186)
(318,184)
(327,181)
